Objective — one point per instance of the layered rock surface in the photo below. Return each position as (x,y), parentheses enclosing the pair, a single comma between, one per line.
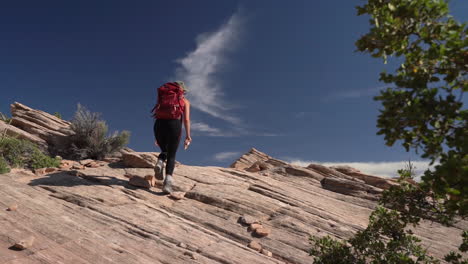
(45,126)
(95,216)
(87,212)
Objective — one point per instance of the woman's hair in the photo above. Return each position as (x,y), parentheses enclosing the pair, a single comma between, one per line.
(182,85)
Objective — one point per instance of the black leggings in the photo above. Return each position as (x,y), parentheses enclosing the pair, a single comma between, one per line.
(167,133)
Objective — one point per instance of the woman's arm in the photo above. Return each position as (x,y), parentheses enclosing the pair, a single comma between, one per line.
(188,138)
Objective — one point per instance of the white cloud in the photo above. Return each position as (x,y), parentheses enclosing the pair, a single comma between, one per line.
(207,130)
(199,67)
(204,129)
(384,169)
(223,156)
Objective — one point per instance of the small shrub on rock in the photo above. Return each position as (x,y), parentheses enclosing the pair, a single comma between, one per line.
(40,160)
(22,153)
(15,151)
(5,118)
(91,139)
(3,166)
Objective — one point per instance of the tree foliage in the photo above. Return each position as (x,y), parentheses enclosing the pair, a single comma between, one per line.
(423,109)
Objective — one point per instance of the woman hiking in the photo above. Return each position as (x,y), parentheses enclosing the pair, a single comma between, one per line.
(170,111)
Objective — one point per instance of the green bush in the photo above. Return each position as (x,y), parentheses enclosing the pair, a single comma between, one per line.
(3,166)
(40,160)
(22,153)
(91,138)
(57,114)
(16,152)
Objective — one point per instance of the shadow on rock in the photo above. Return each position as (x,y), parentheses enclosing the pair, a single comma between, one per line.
(76,178)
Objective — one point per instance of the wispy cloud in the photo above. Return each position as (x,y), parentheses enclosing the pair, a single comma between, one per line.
(199,67)
(384,169)
(224,156)
(207,130)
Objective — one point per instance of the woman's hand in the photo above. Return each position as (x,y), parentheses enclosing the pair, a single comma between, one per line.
(187,142)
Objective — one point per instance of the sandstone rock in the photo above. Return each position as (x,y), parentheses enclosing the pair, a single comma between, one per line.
(86,162)
(248,220)
(255,245)
(139,159)
(350,187)
(25,243)
(254,227)
(248,159)
(376,181)
(50,170)
(93,165)
(266,253)
(96,217)
(77,166)
(262,231)
(327,172)
(13,131)
(40,172)
(182,245)
(177,195)
(190,254)
(53,130)
(66,164)
(259,166)
(145,182)
(303,172)
(276,162)
(101,163)
(345,169)
(111,160)
(12,207)
(254,156)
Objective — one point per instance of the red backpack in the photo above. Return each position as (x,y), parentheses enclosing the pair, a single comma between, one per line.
(170,104)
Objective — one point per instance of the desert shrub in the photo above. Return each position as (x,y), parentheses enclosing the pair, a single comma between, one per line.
(3,166)
(91,139)
(387,238)
(4,118)
(16,152)
(22,153)
(40,160)
(57,114)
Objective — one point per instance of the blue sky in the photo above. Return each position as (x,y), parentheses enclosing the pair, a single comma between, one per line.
(279,76)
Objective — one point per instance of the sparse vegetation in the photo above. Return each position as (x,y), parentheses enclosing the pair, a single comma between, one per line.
(387,239)
(15,151)
(57,114)
(91,138)
(5,118)
(22,153)
(3,166)
(39,160)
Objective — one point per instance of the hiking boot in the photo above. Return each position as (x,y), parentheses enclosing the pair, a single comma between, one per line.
(159,170)
(167,187)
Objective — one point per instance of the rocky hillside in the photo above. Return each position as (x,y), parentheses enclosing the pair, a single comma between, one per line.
(261,210)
